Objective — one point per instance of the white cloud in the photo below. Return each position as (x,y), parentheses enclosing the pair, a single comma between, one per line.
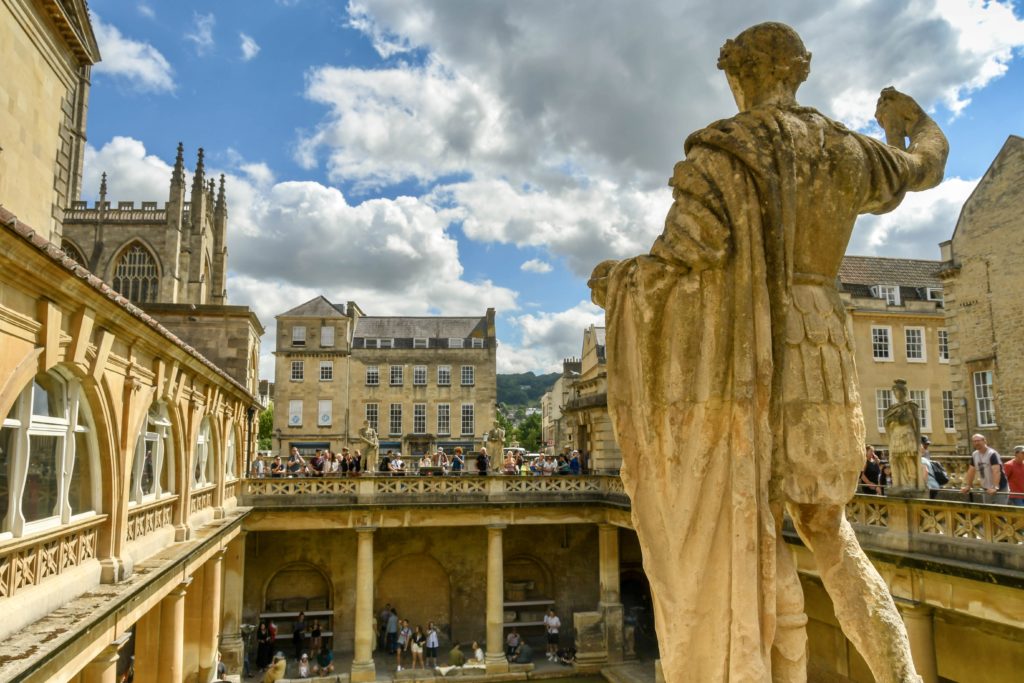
(915,229)
(548,338)
(250,48)
(536,265)
(133,62)
(132,174)
(201,34)
(145,10)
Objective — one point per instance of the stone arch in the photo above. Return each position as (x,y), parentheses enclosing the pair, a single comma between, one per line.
(294,585)
(135,271)
(419,588)
(529,576)
(74,252)
(105,434)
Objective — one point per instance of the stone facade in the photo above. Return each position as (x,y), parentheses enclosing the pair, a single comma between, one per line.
(984,310)
(421,383)
(42,115)
(556,428)
(588,407)
(896,315)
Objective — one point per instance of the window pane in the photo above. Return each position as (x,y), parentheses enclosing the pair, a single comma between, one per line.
(148,473)
(444,415)
(883,399)
(395,423)
(41,484)
(326,336)
(880,343)
(136,276)
(372,415)
(920,397)
(47,397)
(7,436)
(948,414)
(80,490)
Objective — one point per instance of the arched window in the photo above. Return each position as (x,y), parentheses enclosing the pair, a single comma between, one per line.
(136,275)
(204,444)
(49,459)
(72,252)
(229,455)
(153,463)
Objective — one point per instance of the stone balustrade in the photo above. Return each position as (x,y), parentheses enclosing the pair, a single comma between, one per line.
(149,517)
(201,499)
(35,558)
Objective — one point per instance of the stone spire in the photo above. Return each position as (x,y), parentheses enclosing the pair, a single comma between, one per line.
(103,189)
(199,179)
(222,202)
(178,175)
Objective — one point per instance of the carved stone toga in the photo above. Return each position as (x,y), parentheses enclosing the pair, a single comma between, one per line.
(372,448)
(731,381)
(496,440)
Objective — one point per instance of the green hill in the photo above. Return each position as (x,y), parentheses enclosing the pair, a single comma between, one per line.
(523,388)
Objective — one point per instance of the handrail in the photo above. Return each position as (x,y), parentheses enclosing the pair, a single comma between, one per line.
(28,561)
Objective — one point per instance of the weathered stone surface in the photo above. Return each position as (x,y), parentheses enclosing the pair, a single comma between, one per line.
(731,379)
(903,425)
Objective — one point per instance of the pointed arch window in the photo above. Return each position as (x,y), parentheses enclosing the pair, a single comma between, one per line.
(72,252)
(136,275)
(153,461)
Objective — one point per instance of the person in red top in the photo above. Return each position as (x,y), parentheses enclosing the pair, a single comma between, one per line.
(1014,470)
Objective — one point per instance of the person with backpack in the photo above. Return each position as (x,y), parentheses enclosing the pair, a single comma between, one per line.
(986,462)
(934,474)
(1014,470)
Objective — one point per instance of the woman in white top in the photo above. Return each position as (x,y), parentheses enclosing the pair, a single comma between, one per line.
(478,654)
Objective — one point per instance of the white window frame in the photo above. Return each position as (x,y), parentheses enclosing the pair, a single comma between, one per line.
(298,335)
(942,342)
(419,375)
(444,375)
(419,418)
(395,419)
(467,376)
(385,343)
(948,411)
(229,455)
(468,418)
(888,342)
(456,342)
(324,412)
(327,371)
(203,453)
(907,330)
(327,335)
(444,419)
(984,398)
(883,399)
(370,343)
(298,371)
(396,375)
(934,294)
(891,294)
(372,375)
(372,415)
(420,342)
(295,412)
(924,413)
(477,342)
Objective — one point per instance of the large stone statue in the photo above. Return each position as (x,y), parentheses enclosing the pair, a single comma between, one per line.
(731,379)
(496,439)
(903,427)
(368,435)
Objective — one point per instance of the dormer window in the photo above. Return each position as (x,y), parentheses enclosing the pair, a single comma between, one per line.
(891,294)
(934,294)
(455,342)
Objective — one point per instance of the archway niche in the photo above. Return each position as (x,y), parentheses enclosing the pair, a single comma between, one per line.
(420,590)
(296,588)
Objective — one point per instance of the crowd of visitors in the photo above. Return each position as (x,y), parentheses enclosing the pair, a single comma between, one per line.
(326,463)
(1001,483)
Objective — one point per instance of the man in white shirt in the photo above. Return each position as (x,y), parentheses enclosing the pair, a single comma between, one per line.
(986,461)
(552,623)
(396,465)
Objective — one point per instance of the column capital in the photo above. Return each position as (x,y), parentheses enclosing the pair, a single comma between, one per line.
(497,527)
(181,589)
(365,529)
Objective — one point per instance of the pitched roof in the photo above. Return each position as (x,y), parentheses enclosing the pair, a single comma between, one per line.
(877,270)
(318,307)
(432,327)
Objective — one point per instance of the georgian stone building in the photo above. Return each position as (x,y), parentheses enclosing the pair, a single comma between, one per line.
(420,382)
(982,272)
(897,315)
(556,428)
(588,406)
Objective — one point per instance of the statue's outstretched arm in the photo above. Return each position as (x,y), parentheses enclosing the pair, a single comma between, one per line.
(901,117)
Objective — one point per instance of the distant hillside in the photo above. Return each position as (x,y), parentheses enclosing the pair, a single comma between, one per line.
(524,388)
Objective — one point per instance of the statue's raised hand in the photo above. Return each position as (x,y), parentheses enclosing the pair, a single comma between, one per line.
(898,115)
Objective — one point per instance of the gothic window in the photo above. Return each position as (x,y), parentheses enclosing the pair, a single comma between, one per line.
(136,276)
(49,459)
(72,252)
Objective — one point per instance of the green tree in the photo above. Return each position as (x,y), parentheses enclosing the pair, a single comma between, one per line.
(529,433)
(266,427)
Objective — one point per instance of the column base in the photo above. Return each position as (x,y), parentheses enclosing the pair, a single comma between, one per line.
(232,649)
(363,672)
(496,664)
(114,570)
(182,533)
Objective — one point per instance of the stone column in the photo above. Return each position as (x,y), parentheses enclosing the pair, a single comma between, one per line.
(103,669)
(921,631)
(611,602)
(210,627)
(231,643)
(193,627)
(363,668)
(495,657)
(148,645)
(172,635)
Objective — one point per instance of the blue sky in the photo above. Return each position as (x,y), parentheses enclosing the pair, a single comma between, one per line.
(444,157)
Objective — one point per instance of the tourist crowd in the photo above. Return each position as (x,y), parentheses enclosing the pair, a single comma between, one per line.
(1001,482)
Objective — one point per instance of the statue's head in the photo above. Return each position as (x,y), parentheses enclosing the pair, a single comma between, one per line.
(899,390)
(765,64)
